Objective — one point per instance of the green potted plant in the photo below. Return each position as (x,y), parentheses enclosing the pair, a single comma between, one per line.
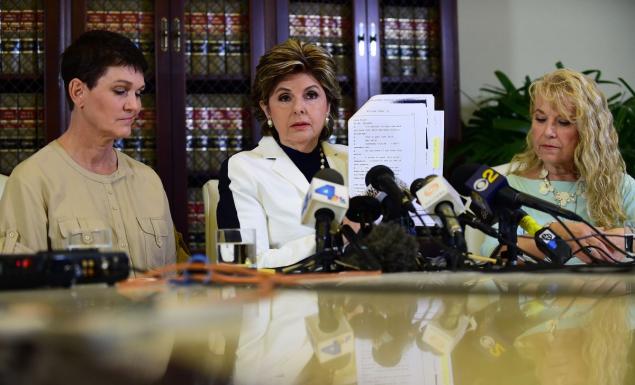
(497,129)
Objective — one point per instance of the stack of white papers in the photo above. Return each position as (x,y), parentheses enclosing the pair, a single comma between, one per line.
(402,132)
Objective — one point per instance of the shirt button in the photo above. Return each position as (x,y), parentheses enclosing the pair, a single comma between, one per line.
(87,238)
(115,208)
(12,234)
(123,244)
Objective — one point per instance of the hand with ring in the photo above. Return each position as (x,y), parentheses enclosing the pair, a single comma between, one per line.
(591,248)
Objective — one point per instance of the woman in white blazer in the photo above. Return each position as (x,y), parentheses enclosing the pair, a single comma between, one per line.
(296,96)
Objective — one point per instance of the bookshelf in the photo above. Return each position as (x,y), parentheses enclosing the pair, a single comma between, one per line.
(217,71)
(202,56)
(22,129)
(329,25)
(384,46)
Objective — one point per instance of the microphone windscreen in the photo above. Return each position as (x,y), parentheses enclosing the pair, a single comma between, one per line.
(394,247)
(460,175)
(376,172)
(330,175)
(363,209)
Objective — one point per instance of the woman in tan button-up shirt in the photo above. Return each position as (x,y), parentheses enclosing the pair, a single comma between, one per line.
(79,182)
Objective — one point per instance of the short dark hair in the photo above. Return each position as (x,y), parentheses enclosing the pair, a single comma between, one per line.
(88,57)
(291,57)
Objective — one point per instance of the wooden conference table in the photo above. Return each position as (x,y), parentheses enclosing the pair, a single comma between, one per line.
(415,328)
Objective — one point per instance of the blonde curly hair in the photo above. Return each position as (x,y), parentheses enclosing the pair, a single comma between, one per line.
(597,158)
(601,341)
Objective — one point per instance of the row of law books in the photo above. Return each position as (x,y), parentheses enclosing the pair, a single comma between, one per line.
(215,114)
(410,42)
(195,220)
(21,128)
(132,18)
(217,57)
(141,144)
(22,38)
(206,153)
(410,23)
(326,25)
(216,127)
(217,38)
(319,20)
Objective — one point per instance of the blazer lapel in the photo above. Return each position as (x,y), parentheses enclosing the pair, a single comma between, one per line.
(337,160)
(282,165)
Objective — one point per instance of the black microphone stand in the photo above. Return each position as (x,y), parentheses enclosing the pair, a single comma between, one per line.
(325,259)
(508,220)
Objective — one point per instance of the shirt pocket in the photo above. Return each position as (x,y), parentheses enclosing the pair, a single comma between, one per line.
(9,244)
(155,238)
(81,233)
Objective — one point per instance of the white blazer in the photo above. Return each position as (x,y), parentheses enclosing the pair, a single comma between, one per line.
(268,191)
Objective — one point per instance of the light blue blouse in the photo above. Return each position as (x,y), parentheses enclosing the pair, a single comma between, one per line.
(531,187)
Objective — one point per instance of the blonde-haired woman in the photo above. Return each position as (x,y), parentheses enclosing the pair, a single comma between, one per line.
(584,339)
(572,159)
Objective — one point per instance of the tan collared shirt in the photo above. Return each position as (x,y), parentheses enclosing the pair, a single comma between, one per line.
(50,199)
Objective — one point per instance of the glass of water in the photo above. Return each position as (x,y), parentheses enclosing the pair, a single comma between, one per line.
(236,246)
(629,234)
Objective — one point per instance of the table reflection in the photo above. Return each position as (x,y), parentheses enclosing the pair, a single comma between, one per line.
(408,329)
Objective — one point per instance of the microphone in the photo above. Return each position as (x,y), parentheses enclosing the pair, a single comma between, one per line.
(436,195)
(325,202)
(388,247)
(395,249)
(357,253)
(490,192)
(548,242)
(382,178)
(330,334)
(443,333)
(469,219)
(363,209)
(392,330)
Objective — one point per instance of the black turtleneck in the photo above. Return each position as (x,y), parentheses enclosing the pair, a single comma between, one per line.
(307,163)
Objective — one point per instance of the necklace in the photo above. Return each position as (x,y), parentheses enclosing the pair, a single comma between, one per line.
(322,159)
(562,197)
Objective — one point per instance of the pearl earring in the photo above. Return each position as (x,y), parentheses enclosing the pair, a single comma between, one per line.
(269,122)
(326,122)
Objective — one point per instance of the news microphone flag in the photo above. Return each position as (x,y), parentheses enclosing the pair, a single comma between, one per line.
(324,194)
(434,190)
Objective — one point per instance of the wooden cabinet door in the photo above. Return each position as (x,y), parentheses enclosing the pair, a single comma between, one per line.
(385,46)
(31,102)
(331,25)
(214,118)
(416,53)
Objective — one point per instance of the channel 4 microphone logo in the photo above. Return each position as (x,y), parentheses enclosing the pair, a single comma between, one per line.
(335,347)
(329,191)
